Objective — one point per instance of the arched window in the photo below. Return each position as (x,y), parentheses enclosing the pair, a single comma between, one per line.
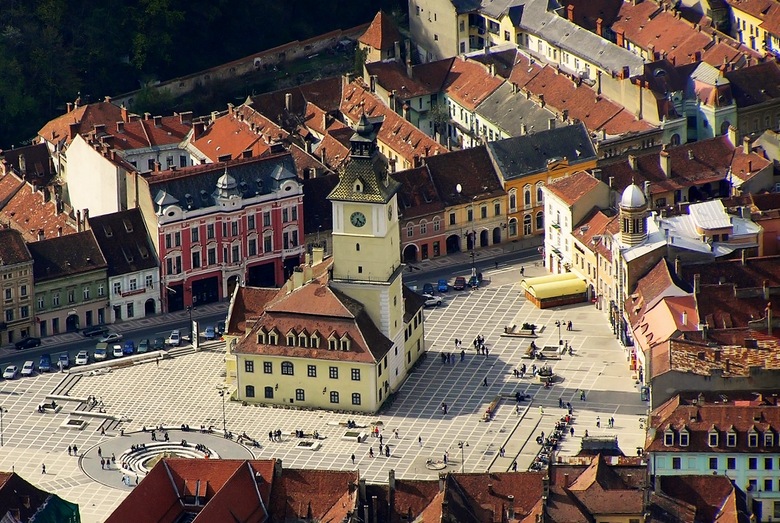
(300,395)
(527,225)
(512,200)
(540,221)
(409,230)
(527,195)
(513,227)
(724,127)
(357,246)
(675,140)
(423,227)
(287,368)
(539,194)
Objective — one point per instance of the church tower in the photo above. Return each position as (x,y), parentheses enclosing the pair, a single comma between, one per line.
(366,253)
(633,216)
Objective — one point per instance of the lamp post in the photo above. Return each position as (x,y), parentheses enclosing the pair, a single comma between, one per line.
(224,420)
(2,411)
(462,445)
(473,264)
(560,340)
(189,311)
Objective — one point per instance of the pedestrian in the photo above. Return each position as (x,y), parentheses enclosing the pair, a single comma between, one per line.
(586,433)
(270,435)
(75,450)
(43,468)
(522,271)
(419,440)
(598,422)
(100,451)
(496,265)
(445,459)
(136,479)
(517,409)
(102,431)
(571,431)
(484,382)
(113,458)
(501,451)
(582,395)
(541,410)
(396,433)
(612,422)
(353,459)
(533,369)
(102,463)
(381,437)
(560,402)
(387,451)
(371,452)
(70,450)
(380,449)
(158,362)
(514,466)
(462,355)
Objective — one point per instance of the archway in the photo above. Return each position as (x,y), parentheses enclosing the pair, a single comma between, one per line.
(497,235)
(410,253)
(483,239)
(72,322)
(453,244)
(150,307)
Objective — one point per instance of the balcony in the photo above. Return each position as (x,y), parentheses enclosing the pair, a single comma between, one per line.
(293,251)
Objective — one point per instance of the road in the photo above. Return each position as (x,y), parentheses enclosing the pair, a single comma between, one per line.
(160,328)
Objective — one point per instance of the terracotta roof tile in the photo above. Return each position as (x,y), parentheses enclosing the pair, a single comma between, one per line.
(85,116)
(756,84)
(66,256)
(143,133)
(418,196)
(572,188)
(711,495)
(486,494)
(765,10)
(38,167)
(426,78)
(313,495)
(469,83)
(381,33)
(415,497)
(247,307)
(26,211)
(587,12)
(472,169)
(332,150)
(13,248)
(229,136)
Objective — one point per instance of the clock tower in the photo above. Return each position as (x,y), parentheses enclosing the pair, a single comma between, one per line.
(366,253)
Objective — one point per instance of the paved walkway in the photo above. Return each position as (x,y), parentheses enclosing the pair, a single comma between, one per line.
(185,389)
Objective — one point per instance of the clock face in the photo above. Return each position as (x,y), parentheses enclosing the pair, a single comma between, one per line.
(358,219)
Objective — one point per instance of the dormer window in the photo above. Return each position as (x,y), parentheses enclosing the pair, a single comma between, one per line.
(752,437)
(668,437)
(273,338)
(261,337)
(769,438)
(332,344)
(345,343)
(357,186)
(731,438)
(291,340)
(302,340)
(315,341)
(712,438)
(684,437)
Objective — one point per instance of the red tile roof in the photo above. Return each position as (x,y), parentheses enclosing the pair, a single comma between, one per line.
(768,11)
(13,249)
(485,495)
(233,134)
(587,12)
(602,491)
(426,78)
(418,196)
(85,116)
(699,358)
(247,307)
(571,188)
(402,137)
(314,495)
(331,150)
(153,132)
(381,33)
(713,497)
(27,211)
(656,284)
(416,497)
(472,169)
(469,83)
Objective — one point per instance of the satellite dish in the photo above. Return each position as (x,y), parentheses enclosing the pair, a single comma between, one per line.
(458,188)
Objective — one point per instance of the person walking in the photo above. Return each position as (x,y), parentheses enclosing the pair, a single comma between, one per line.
(560,402)
(612,422)
(70,450)
(514,466)
(541,410)
(571,431)
(517,409)
(598,422)
(484,382)
(371,452)
(396,433)
(522,271)
(462,355)
(43,468)
(419,440)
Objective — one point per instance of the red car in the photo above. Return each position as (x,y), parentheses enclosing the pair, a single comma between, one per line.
(460,283)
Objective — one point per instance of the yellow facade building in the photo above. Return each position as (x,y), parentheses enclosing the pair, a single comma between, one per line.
(344,332)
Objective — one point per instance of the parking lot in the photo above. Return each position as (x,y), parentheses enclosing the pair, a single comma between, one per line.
(186,390)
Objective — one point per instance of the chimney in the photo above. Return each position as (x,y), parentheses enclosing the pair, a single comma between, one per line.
(78,221)
(546,486)
(397,50)
(597,174)
(73,130)
(371,83)
(626,72)
(391,476)
(442,478)
(565,481)
(408,49)
(68,107)
(677,266)
(647,192)
(768,312)
(632,162)
(147,116)
(40,235)
(120,127)
(523,129)
(123,113)
(716,355)
(690,154)
(551,123)
(492,69)
(185,118)
(728,365)
(765,288)
(600,26)
(374,508)
(750,166)
(746,145)
(611,182)
(696,283)
(362,488)
(541,101)
(570,13)
(685,318)
(59,231)
(666,163)
(511,509)
(406,111)
(733,135)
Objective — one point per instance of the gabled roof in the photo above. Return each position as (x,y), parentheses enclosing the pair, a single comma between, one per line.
(124,241)
(426,78)
(382,33)
(324,93)
(408,497)
(513,113)
(756,84)
(314,495)
(711,497)
(69,255)
(602,491)
(233,136)
(659,283)
(36,168)
(247,306)
(468,83)
(483,497)
(587,12)
(469,168)
(765,10)
(32,503)
(13,249)
(57,131)
(417,197)
(571,188)
(148,132)
(32,211)
(530,154)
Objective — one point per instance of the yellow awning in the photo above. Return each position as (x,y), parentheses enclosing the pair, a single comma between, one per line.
(556,289)
(550,278)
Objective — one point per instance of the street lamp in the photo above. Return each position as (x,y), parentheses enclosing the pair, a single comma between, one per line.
(2,411)
(190,308)
(462,445)
(473,264)
(560,340)
(224,421)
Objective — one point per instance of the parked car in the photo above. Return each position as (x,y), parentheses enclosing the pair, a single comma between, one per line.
(220,328)
(28,368)
(474,282)
(27,343)
(158,343)
(64,360)
(11,372)
(143,346)
(428,288)
(111,337)
(116,351)
(95,330)
(460,283)
(82,358)
(442,286)
(174,339)
(101,353)
(129,348)
(431,300)
(44,364)
(209,333)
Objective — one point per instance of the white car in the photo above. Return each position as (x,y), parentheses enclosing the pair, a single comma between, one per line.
(28,368)
(112,336)
(82,358)
(431,300)
(11,372)
(116,351)
(174,339)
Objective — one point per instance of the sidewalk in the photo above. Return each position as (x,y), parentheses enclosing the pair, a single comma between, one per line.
(482,254)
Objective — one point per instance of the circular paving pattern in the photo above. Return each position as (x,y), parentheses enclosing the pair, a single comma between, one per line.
(120,461)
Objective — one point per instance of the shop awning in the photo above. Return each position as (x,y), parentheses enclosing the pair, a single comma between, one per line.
(550,278)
